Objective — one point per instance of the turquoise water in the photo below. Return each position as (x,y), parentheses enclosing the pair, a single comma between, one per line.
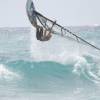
(59,69)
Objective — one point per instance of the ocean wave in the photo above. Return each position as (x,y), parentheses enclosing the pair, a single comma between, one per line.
(82,66)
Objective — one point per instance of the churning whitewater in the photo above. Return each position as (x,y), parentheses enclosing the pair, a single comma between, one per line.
(60,69)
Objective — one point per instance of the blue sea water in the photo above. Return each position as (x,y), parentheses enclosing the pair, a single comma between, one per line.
(60,69)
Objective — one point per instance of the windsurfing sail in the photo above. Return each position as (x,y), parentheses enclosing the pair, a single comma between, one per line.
(37,18)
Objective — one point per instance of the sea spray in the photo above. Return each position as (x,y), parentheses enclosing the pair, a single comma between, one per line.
(57,69)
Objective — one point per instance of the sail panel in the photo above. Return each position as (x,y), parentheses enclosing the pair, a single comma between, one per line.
(62,31)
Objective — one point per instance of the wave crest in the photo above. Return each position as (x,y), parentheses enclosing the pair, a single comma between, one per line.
(89,68)
(7,74)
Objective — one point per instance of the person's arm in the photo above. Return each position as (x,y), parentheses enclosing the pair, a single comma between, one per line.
(49,34)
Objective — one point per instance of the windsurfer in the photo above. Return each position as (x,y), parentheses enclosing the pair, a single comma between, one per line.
(42,34)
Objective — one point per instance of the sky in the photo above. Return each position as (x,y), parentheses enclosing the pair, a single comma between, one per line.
(65,12)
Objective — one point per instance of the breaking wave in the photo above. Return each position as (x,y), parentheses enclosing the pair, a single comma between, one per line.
(84,67)
(6,73)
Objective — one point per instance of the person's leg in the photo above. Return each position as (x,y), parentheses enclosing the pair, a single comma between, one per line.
(42,34)
(45,32)
(38,33)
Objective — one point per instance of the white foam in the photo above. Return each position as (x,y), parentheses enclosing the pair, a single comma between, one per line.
(79,65)
(89,70)
(58,49)
(7,74)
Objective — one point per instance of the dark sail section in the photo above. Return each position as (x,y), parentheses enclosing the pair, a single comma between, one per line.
(30,12)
